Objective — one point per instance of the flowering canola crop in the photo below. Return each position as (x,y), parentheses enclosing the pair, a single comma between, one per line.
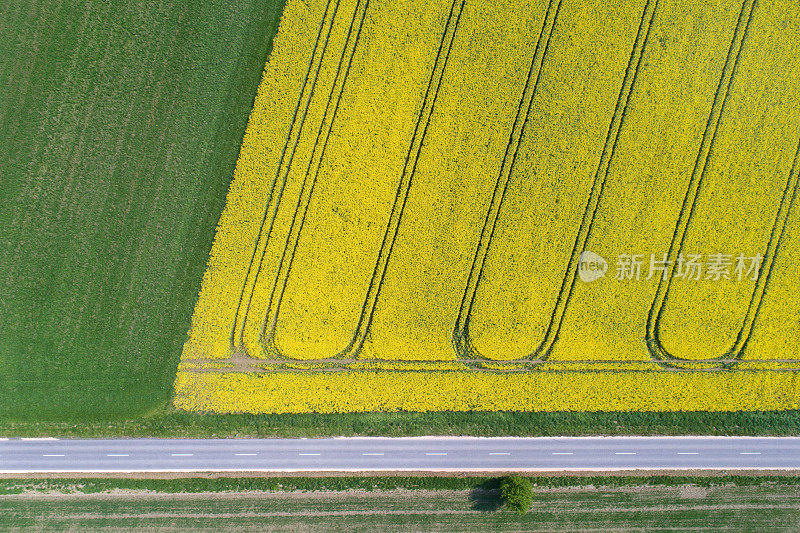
(540,205)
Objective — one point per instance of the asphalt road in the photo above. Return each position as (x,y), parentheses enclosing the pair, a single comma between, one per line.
(399,454)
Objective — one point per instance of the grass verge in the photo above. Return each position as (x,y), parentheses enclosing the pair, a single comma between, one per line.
(171,423)
(192,485)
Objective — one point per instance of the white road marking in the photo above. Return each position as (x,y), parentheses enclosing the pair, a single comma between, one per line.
(562,453)
(245,454)
(688,453)
(309,454)
(435,453)
(53,455)
(38,438)
(749,453)
(182,454)
(624,453)
(499,453)
(371,454)
(118,455)
(3,438)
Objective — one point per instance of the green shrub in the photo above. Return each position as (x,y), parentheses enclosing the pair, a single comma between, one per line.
(517,493)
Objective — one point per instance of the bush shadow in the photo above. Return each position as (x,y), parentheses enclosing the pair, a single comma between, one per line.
(486,496)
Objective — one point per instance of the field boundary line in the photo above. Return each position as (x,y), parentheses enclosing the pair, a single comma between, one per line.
(461,339)
(359,336)
(542,352)
(273,200)
(270,321)
(771,252)
(653,325)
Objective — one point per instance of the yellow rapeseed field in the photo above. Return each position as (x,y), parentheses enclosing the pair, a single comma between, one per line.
(537,205)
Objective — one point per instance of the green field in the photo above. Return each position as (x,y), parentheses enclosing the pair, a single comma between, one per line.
(765,507)
(120,123)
